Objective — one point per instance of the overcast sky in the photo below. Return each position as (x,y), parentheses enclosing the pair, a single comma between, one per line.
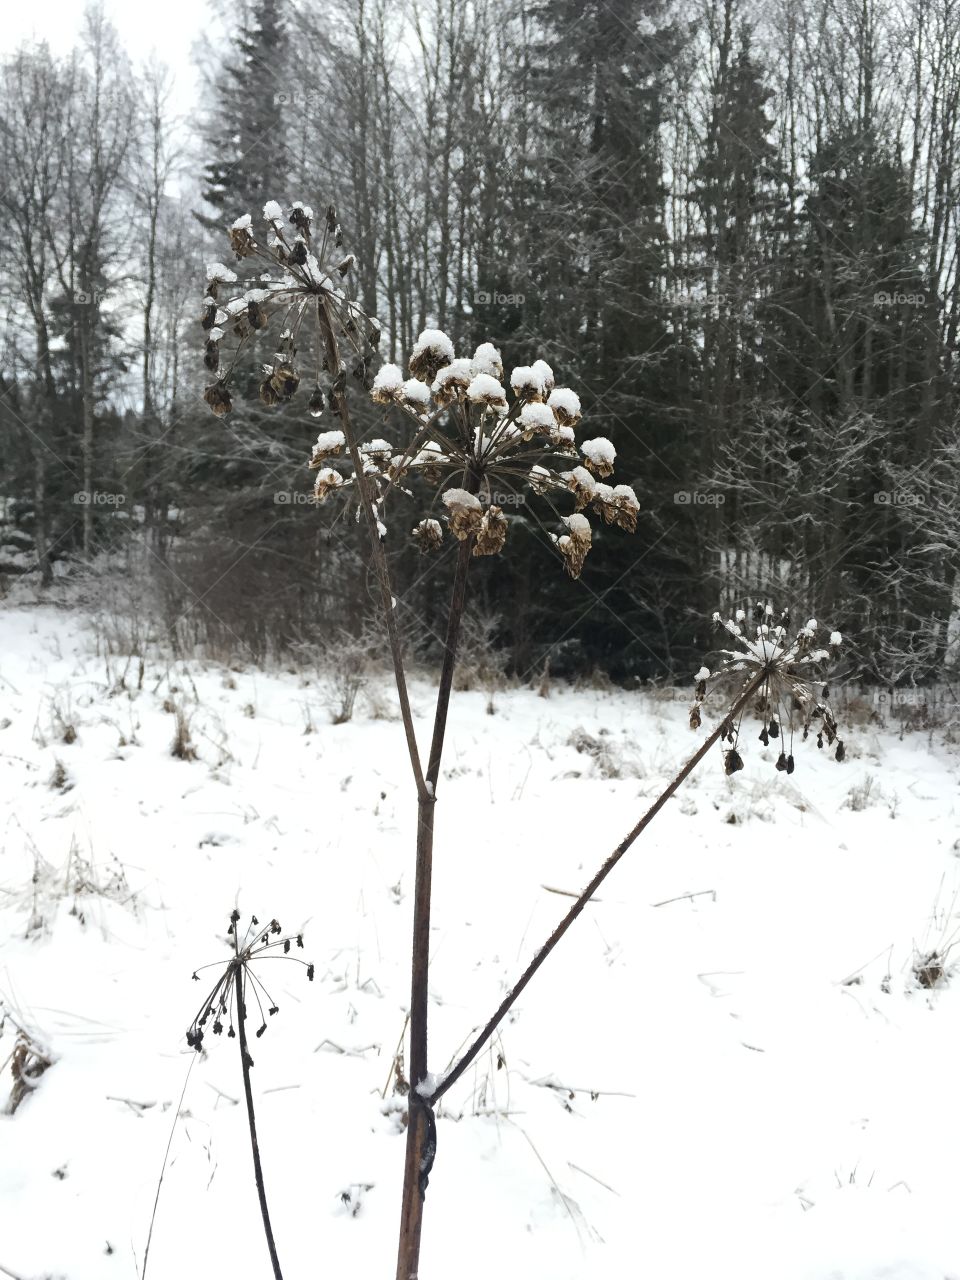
(168,27)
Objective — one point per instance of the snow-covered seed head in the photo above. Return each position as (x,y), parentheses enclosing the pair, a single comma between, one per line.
(575,544)
(484,389)
(431,351)
(465,515)
(241,237)
(599,455)
(565,405)
(428,535)
(486,359)
(329,444)
(388,384)
(527,383)
(452,381)
(328,481)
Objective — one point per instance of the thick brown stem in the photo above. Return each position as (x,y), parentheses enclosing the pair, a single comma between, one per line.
(421,1133)
(255,1146)
(464,1061)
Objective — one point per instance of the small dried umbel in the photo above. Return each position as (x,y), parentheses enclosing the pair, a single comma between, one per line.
(289,275)
(219,1008)
(790,672)
(236,992)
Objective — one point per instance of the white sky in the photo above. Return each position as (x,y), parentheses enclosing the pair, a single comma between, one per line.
(168,27)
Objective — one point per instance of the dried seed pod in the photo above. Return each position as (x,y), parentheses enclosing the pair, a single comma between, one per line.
(732,761)
(315,403)
(428,535)
(218,398)
(255,315)
(211,355)
(492,533)
(695,718)
(285,380)
(268,394)
(575,545)
(781,762)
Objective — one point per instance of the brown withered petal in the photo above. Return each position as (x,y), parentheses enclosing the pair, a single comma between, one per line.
(218,398)
(464,521)
(285,380)
(268,395)
(492,534)
(426,365)
(428,535)
(242,242)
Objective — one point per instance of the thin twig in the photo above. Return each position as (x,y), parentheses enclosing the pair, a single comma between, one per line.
(163,1170)
(686,896)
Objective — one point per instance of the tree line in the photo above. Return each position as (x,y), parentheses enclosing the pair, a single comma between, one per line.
(732,230)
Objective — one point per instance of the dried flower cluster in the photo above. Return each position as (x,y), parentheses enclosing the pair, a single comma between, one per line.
(466,427)
(793,691)
(465,424)
(258,942)
(287,275)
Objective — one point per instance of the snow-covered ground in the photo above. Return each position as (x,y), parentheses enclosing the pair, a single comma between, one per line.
(747,1083)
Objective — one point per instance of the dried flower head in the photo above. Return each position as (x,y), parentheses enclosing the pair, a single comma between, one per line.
(468,430)
(791,683)
(288,274)
(219,1007)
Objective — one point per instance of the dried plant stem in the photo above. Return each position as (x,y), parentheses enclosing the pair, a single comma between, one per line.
(420,1128)
(245,1060)
(381,568)
(466,1058)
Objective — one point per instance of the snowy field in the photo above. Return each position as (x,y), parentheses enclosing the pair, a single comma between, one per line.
(747,1083)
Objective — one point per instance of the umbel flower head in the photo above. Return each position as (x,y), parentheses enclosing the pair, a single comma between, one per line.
(790,672)
(259,942)
(477,438)
(288,270)
(465,425)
